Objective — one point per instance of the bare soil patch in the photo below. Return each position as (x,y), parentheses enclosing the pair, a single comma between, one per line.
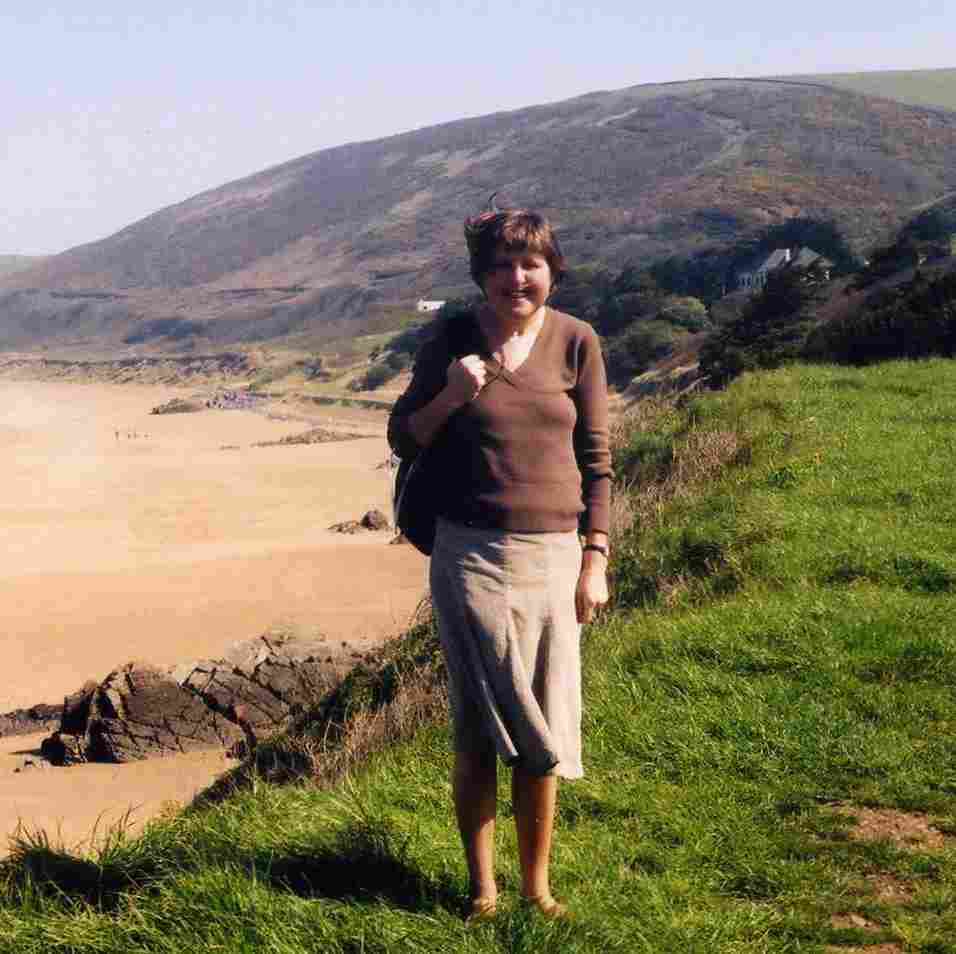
(910,831)
(888,948)
(854,920)
(889,889)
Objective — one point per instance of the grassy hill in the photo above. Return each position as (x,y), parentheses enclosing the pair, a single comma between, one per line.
(345,234)
(10,264)
(930,88)
(768,727)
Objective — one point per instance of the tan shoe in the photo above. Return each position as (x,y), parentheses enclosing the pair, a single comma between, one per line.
(481,909)
(548,907)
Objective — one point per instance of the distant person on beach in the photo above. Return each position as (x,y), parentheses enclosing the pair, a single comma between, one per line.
(511,400)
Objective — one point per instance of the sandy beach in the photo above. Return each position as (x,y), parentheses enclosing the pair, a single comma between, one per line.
(163,538)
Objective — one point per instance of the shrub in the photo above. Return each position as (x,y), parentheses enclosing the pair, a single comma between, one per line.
(377,375)
(684,312)
(771,330)
(914,320)
(637,348)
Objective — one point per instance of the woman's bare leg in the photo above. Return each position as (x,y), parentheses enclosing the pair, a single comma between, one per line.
(474,782)
(534,798)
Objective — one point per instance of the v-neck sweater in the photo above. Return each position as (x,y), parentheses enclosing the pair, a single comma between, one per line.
(530,453)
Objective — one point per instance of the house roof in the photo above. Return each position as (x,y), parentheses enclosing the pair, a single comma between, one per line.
(801,258)
(806,257)
(767,263)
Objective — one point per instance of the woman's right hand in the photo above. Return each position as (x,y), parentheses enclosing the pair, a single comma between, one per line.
(465,378)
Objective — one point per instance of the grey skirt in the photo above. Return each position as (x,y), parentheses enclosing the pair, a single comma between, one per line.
(509,633)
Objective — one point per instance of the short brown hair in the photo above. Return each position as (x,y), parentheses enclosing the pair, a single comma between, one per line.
(518,230)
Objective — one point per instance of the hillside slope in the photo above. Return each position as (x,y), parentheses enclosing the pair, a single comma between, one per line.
(768,729)
(9,264)
(935,89)
(632,174)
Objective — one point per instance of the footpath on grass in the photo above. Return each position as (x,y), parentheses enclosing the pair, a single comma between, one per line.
(769,715)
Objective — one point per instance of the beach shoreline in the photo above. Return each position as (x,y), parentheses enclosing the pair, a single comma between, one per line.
(165,538)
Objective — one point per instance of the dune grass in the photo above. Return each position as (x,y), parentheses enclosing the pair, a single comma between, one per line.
(781,659)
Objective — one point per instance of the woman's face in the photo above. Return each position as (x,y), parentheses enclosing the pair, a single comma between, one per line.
(517,284)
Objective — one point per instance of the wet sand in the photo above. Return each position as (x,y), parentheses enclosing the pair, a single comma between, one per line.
(168,537)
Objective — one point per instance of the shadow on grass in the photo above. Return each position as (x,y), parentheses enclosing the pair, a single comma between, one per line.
(38,869)
(362,864)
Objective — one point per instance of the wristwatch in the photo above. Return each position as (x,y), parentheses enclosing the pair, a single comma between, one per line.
(599,548)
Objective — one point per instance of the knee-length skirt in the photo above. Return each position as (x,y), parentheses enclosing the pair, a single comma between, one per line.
(509,633)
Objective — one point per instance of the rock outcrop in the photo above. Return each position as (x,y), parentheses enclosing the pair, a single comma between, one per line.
(37,718)
(140,710)
(373,520)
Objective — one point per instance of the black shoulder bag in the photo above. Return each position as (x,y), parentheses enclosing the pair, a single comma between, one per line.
(415,493)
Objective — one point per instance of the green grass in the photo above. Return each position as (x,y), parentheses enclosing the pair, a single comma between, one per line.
(934,88)
(9,264)
(790,659)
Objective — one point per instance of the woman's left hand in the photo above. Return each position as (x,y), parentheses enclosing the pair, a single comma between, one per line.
(591,592)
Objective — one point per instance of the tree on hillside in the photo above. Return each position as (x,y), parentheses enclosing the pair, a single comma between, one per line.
(636,349)
(711,273)
(913,320)
(684,312)
(771,330)
(934,224)
(582,290)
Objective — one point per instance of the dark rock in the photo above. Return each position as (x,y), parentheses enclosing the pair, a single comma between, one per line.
(375,520)
(141,711)
(54,750)
(38,718)
(76,710)
(257,687)
(315,435)
(347,526)
(177,406)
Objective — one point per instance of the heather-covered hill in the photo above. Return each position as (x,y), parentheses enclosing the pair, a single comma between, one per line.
(629,175)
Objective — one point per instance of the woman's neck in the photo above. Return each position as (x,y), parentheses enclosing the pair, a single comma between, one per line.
(499,329)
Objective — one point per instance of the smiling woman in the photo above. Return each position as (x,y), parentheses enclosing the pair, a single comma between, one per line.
(511,403)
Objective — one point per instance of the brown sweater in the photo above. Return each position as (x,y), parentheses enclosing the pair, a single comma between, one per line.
(530,452)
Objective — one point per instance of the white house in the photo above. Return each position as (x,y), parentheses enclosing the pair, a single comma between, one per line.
(754,276)
(425,306)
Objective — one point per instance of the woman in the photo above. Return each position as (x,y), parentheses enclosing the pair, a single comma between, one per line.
(512,403)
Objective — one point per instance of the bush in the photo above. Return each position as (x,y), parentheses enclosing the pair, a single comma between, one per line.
(914,320)
(639,347)
(377,375)
(684,312)
(771,330)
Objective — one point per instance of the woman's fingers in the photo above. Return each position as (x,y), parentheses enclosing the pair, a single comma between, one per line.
(590,595)
(467,375)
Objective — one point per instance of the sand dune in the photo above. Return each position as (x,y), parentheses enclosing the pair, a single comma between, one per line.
(134,536)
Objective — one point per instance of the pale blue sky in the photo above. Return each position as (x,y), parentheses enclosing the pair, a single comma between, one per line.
(112,113)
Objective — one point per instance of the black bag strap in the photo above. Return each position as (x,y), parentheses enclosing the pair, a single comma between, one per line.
(465,337)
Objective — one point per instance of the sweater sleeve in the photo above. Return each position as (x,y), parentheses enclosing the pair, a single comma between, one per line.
(591,435)
(428,378)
